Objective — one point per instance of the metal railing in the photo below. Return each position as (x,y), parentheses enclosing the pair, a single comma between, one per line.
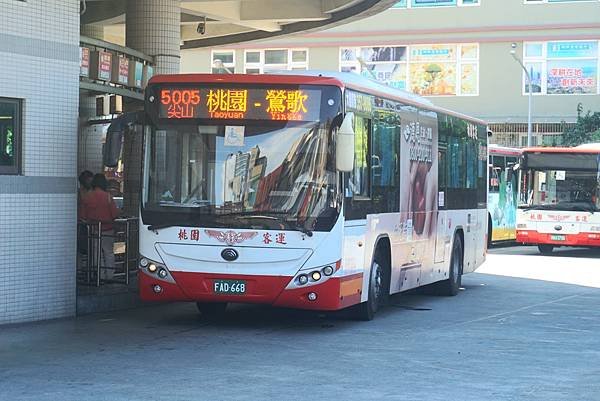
(90,267)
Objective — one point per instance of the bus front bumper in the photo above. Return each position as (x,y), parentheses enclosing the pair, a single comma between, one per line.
(579,239)
(335,293)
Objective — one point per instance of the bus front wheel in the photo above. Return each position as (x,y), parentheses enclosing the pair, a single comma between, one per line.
(545,249)
(378,289)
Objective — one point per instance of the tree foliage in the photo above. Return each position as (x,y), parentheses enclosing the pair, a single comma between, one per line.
(586,130)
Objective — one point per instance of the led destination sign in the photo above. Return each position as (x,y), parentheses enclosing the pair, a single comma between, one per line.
(240,103)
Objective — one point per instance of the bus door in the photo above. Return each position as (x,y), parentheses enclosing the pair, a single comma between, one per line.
(440,238)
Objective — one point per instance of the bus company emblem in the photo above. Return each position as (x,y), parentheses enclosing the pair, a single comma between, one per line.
(229,254)
(558,227)
(230,237)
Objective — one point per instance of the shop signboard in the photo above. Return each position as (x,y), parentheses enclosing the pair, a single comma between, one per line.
(84,61)
(572,49)
(123,71)
(104,65)
(432,53)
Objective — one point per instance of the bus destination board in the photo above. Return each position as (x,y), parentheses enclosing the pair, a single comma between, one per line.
(239,103)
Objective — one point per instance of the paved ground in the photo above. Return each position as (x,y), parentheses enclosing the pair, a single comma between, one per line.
(518,331)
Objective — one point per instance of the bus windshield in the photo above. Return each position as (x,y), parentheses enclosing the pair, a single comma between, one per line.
(564,190)
(269,175)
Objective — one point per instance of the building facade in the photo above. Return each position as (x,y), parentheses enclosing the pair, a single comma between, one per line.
(39,84)
(458,53)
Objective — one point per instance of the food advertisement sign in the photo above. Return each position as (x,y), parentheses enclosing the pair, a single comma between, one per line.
(433,78)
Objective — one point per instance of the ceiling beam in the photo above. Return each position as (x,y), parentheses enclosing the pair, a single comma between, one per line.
(281,10)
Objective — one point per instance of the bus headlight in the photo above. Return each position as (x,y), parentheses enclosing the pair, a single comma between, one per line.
(152,267)
(162,273)
(302,279)
(316,276)
(328,270)
(144,262)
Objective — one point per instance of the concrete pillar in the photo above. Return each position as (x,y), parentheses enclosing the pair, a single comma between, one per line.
(153,27)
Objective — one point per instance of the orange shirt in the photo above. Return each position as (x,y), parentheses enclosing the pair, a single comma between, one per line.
(98,205)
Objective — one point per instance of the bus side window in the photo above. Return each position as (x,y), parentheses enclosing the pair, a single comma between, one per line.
(359,178)
(357,192)
(384,164)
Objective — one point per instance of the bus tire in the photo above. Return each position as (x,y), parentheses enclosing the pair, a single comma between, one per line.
(451,286)
(378,288)
(211,309)
(545,249)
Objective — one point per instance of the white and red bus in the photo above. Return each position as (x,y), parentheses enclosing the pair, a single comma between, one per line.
(503,190)
(563,197)
(307,190)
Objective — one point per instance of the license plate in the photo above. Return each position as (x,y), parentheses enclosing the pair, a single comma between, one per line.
(232,287)
(557,237)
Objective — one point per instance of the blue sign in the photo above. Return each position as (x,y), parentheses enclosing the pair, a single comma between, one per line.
(572,49)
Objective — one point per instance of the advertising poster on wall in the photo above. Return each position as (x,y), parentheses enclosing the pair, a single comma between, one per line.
(535,72)
(468,79)
(385,53)
(392,74)
(572,76)
(433,78)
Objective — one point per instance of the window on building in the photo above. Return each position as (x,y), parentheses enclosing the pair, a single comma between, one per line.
(269,60)
(435,3)
(223,62)
(561,67)
(10,136)
(434,70)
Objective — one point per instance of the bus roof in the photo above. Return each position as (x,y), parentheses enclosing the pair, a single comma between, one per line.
(503,150)
(314,77)
(586,148)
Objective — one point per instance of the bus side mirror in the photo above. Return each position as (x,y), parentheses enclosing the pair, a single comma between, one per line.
(111,152)
(344,144)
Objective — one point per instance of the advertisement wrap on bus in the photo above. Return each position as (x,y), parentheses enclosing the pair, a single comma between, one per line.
(563,197)
(503,192)
(305,190)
